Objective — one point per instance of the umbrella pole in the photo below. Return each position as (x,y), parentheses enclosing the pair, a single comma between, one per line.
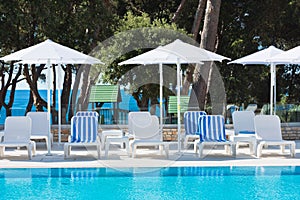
(274,81)
(272,89)
(48,107)
(59,104)
(161,98)
(178,107)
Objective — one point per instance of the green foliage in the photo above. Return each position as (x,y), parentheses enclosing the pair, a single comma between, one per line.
(138,26)
(136,35)
(247,26)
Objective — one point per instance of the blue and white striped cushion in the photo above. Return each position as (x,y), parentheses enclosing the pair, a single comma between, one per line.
(87,113)
(212,128)
(84,129)
(191,121)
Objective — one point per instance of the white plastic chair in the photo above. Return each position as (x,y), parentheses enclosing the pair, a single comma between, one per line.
(84,132)
(244,130)
(268,130)
(17,132)
(40,127)
(146,131)
(212,132)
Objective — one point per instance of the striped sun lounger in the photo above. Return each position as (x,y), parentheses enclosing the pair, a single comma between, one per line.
(84,132)
(191,126)
(212,132)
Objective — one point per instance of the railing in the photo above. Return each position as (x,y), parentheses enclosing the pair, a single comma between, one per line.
(113,116)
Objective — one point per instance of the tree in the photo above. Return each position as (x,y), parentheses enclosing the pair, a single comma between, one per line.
(10,83)
(131,43)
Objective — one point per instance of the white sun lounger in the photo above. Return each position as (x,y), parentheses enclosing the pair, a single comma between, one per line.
(244,130)
(17,132)
(40,127)
(268,130)
(146,131)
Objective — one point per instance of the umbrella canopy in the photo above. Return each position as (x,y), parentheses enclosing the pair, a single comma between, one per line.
(258,58)
(49,52)
(291,56)
(263,57)
(192,53)
(160,55)
(177,52)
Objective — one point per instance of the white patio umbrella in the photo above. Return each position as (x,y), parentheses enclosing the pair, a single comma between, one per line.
(49,52)
(178,53)
(263,58)
(291,56)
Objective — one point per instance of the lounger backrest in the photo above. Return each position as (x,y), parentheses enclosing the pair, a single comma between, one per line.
(143,125)
(191,121)
(40,123)
(87,113)
(17,129)
(251,107)
(268,127)
(243,122)
(212,128)
(84,129)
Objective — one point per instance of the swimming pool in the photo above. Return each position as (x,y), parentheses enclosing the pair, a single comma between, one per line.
(151,183)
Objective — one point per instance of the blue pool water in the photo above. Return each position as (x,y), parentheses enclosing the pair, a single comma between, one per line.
(151,183)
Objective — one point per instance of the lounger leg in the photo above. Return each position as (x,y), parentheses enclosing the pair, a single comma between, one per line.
(161,148)
(51,137)
(107,148)
(29,148)
(65,150)
(233,150)
(259,150)
(47,144)
(292,149)
(133,150)
(227,149)
(185,145)
(2,151)
(33,148)
(127,147)
(196,142)
(103,142)
(251,148)
(69,150)
(99,151)
(282,147)
(200,146)
(167,150)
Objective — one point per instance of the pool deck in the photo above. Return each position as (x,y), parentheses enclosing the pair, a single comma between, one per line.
(117,158)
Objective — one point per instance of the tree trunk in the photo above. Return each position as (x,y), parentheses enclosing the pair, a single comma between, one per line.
(74,94)
(188,79)
(9,105)
(175,16)
(84,88)
(66,91)
(38,101)
(54,112)
(208,41)
(4,88)
(30,103)
(198,18)
(210,28)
